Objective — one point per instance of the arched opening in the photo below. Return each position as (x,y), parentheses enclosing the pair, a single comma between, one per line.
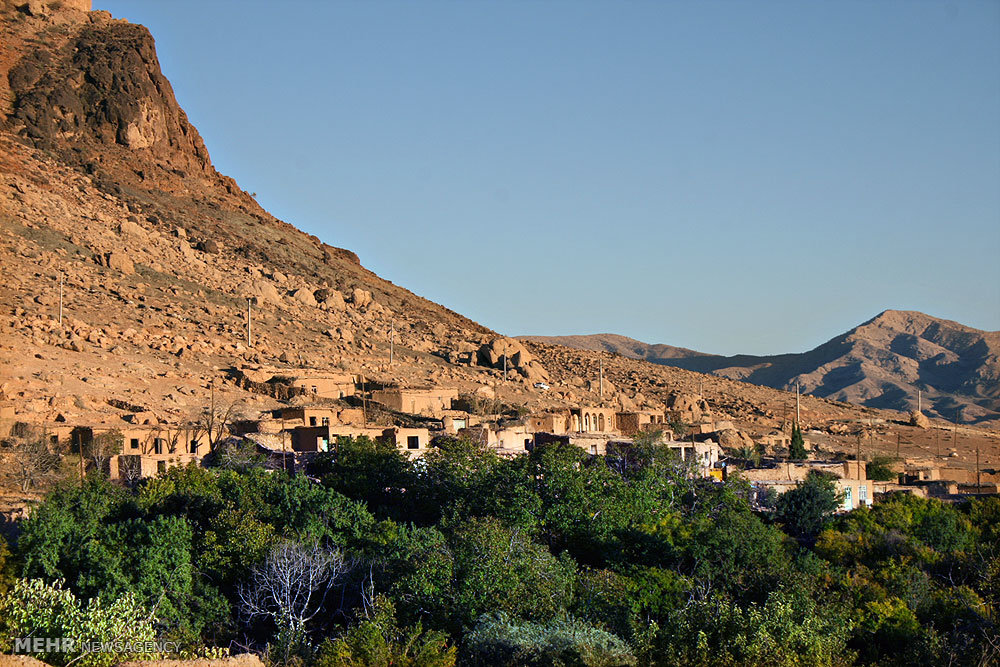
(586,421)
(600,419)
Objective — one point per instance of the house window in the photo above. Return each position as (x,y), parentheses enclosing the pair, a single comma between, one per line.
(134,443)
(326,421)
(527,443)
(413,442)
(158,445)
(161,467)
(312,421)
(324,445)
(54,439)
(194,446)
(314,389)
(459,424)
(593,450)
(863,494)
(848,501)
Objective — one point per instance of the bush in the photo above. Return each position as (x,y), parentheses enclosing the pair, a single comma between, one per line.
(36,609)
(499,640)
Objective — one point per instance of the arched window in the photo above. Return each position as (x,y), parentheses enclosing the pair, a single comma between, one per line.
(601,420)
(586,421)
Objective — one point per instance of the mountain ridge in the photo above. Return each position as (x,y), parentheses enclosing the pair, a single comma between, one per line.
(880,363)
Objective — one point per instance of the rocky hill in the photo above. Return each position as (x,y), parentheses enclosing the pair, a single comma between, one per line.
(881,363)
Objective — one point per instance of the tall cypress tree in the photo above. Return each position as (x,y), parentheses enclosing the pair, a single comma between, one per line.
(797,449)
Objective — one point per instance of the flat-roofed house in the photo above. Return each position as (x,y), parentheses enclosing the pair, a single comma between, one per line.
(426,401)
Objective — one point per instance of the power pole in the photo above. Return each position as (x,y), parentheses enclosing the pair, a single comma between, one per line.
(601,376)
(61,278)
(798,412)
(284,459)
(392,340)
(249,330)
(937,441)
(859,457)
(364,402)
(504,367)
(919,401)
(978,484)
(897,445)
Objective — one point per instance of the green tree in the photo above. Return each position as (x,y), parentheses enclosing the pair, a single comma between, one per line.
(806,508)
(797,448)
(377,640)
(499,640)
(33,608)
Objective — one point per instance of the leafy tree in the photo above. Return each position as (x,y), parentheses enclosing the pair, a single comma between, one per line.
(372,471)
(33,608)
(805,509)
(499,640)
(880,469)
(786,630)
(378,641)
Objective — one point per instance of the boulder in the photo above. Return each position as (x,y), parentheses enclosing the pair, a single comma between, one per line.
(130,228)
(919,419)
(304,295)
(208,246)
(360,298)
(119,261)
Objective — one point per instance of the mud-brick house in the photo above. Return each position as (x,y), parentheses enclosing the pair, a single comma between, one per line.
(593,419)
(414,441)
(632,423)
(323,385)
(424,401)
(549,422)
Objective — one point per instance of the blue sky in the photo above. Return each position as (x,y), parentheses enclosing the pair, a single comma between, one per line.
(725,176)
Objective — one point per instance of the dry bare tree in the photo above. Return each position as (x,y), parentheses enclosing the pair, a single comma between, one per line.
(290,588)
(215,419)
(33,458)
(102,447)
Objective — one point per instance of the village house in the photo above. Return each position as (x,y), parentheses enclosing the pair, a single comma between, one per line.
(550,422)
(592,419)
(324,385)
(413,441)
(632,423)
(595,444)
(453,421)
(425,401)
(320,416)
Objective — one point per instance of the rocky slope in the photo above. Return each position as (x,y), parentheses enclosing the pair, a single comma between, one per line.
(880,363)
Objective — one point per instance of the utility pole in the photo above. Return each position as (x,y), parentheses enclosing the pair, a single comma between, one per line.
(897,445)
(937,441)
(62,277)
(919,401)
(601,376)
(284,459)
(978,484)
(364,402)
(249,330)
(798,412)
(392,340)
(859,457)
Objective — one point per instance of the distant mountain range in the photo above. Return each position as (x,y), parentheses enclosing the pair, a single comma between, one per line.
(881,364)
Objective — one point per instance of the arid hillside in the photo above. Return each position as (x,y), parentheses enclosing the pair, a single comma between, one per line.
(881,363)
